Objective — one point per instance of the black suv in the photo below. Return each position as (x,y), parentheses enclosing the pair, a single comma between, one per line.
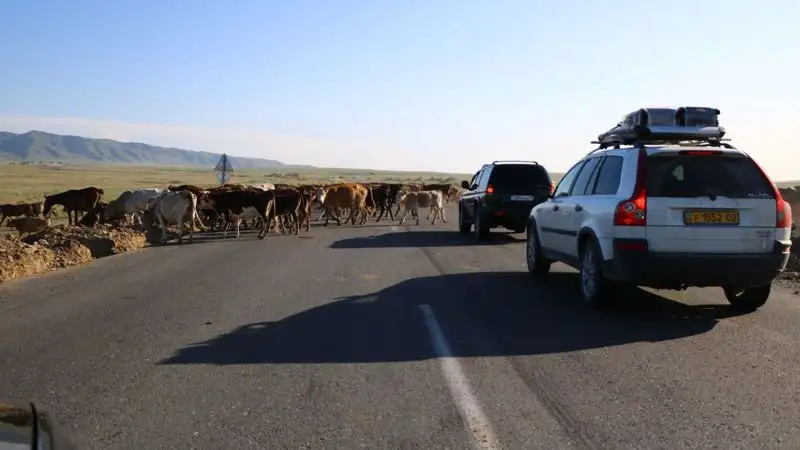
(502,194)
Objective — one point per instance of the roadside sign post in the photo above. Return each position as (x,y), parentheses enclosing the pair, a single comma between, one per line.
(224,170)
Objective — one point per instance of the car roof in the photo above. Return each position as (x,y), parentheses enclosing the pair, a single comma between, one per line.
(514,163)
(653,149)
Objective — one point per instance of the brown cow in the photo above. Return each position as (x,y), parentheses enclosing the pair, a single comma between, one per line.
(77,200)
(20,209)
(349,195)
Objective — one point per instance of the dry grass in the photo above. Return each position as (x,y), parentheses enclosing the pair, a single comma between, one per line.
(31,182)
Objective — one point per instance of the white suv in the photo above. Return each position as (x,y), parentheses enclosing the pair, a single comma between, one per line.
(667,216)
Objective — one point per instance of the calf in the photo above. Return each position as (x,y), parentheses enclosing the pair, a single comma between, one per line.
(454,193)
(20,209)
(307,197)
(173,208)
(430,199)
(287,205)
(29,225)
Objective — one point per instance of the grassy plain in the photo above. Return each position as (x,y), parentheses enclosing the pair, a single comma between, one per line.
(29,182)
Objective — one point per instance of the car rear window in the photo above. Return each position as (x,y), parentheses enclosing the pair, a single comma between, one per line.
(519,176)
(705,175)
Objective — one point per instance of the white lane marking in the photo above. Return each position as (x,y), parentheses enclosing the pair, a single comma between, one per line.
(482,433)
(396,229)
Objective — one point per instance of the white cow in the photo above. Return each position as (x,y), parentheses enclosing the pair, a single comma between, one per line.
(175,208)
(263,186)
(453,193)
(412,201)
(130,204)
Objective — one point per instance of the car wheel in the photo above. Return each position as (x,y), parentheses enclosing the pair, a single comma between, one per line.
(538,264)
(748,299)
(481,227)
(463,225)
(594,287)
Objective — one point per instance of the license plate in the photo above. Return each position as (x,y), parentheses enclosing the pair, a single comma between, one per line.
(711,217)
(522,198)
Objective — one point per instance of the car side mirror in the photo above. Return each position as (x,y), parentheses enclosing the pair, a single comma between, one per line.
(465,185)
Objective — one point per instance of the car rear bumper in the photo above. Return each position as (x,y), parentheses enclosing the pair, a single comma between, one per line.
(669,270)
(509,215)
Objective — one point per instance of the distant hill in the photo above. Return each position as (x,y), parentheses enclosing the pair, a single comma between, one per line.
(40,146)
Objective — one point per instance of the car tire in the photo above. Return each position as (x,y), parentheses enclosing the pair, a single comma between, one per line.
(595,288)
(747,299)
(463,225)
(481,227)
(538,264)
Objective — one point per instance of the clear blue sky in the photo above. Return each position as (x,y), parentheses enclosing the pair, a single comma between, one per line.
(406,84)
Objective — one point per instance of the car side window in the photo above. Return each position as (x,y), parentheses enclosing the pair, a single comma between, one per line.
(609,176)
(582,180)
(484,178)
(589,189)
(474,179)
(565,184)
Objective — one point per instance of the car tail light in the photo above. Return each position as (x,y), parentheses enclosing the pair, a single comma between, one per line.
(700,152)
(783,212)
(633,211)
(489,189)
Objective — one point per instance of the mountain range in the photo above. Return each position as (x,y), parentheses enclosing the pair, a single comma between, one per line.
(35,146)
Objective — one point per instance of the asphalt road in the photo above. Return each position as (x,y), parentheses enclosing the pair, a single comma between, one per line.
(389,337)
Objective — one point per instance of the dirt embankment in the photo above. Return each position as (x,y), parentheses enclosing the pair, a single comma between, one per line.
(63,246)
(791,277)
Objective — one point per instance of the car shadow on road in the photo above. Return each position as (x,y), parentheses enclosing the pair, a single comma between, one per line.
(481,314)
(423,238)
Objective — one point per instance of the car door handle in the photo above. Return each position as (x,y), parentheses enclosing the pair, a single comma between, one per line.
(578,208)
(555,207)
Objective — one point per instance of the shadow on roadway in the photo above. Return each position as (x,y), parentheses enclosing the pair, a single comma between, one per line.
(251,233)
(513,313)
(426,238)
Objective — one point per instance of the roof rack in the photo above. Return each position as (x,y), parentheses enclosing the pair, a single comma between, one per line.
(641,136)
(514,161)
(662,135)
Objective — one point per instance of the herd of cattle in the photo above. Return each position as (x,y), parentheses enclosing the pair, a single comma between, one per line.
(268,206)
